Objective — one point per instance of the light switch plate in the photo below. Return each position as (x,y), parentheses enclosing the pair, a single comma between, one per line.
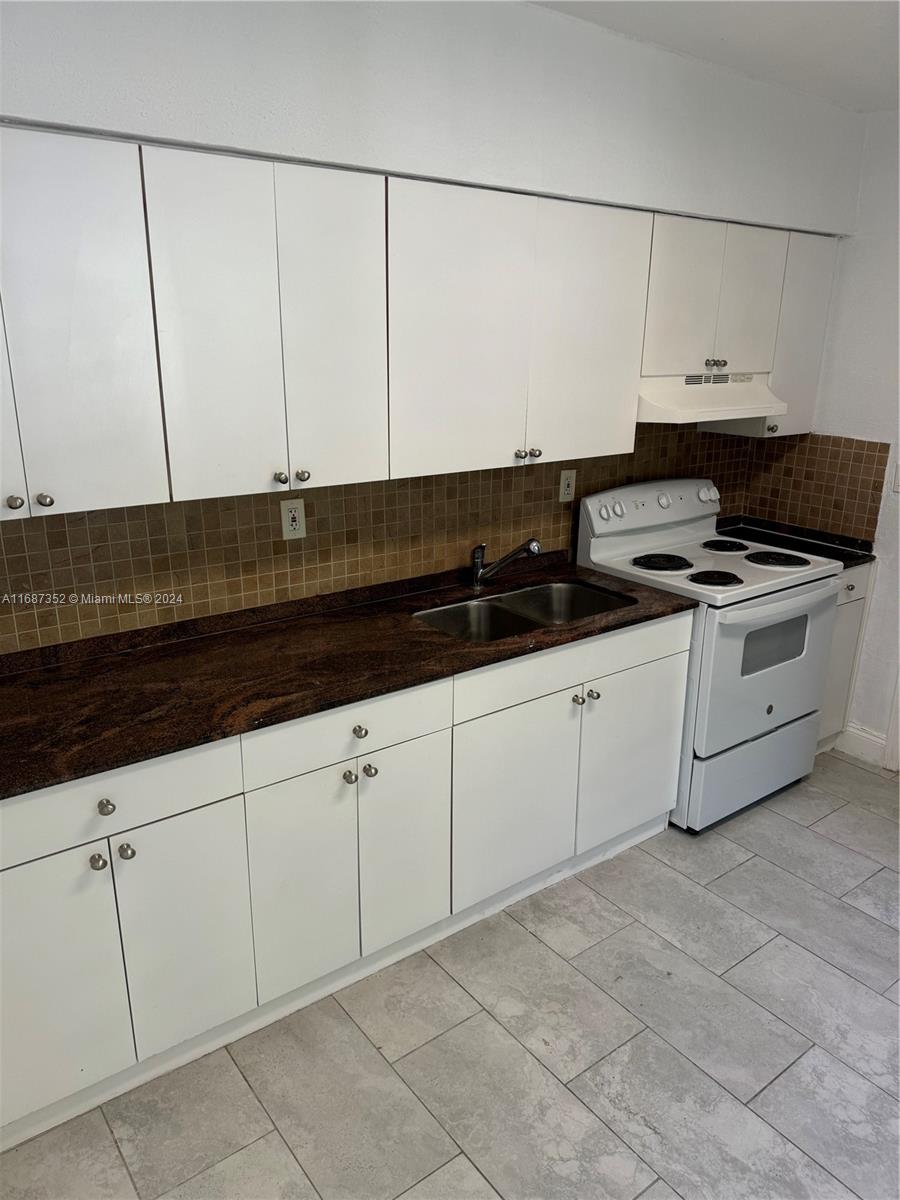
(293,519)
(566,485)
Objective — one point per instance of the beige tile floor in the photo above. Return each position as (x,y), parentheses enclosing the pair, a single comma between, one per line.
(709,1017)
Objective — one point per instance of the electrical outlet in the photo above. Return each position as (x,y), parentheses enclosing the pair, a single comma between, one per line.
(293,519)
(566,485)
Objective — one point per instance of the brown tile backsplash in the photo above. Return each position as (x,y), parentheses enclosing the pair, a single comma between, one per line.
(210,556)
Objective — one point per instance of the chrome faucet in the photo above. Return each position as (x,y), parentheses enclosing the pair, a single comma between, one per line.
(480,572)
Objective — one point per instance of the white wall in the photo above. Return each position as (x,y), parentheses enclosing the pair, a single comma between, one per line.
(496,93)
(858,393)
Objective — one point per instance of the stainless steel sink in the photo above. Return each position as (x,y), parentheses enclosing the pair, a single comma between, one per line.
(562,603)
(479,620)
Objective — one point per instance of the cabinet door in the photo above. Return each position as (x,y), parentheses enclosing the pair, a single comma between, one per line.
(13,488)
(683,296)
(752,279)
(515,776)
(630,748)
(64,1016)
(404,839)
(211,222)
(801,329)
(304,887)
(184,907)
(460,272)
(844,642)
(331,263)
(590,294)
(79,321)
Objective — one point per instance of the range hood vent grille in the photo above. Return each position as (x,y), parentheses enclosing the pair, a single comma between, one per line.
(694,379)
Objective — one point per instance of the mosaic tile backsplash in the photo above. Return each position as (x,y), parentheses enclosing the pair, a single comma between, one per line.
(211,556)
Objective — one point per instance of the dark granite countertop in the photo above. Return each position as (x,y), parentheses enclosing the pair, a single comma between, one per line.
(852,552)
(109,702)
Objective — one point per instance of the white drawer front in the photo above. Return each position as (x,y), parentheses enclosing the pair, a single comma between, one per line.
(296,747)
(489,689)
(55,818)
(854,583)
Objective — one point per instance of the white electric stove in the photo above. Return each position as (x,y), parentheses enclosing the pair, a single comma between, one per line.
(760,644)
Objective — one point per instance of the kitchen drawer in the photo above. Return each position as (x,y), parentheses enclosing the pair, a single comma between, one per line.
(295,747)
(855,583)
(501,685)
(52,819)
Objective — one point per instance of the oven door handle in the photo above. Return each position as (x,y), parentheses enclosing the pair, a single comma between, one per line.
(784,608)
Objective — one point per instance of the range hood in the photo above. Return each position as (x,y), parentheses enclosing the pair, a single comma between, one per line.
(687,399)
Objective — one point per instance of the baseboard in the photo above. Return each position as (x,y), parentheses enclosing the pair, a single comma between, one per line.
(73,1106)
(863,743)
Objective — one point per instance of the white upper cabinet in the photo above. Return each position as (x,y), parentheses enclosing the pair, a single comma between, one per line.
(79,322)
(460,273)
(211,223)
(683,296)
(590,291)
(13,488)
(802,327)
(331,259)
(714,297)
(749,303)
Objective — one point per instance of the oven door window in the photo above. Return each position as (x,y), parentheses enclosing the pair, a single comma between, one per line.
(773,645)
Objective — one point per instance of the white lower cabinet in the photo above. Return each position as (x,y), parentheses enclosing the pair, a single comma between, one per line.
(515,779)
(404,839)
(64,1020)
(184,909)
(302,841)
(844,644)
(630,745)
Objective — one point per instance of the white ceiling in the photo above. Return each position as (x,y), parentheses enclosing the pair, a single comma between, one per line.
(844,51)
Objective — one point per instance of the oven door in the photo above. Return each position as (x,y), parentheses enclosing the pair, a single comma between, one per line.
(763,664)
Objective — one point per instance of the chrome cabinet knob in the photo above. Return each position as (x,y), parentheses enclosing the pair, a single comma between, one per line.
(45,500)
(370,771)
(722,362)
(709,362)
(127,851)
(302,476)
(281,477)
(535,453)
(98,862)
(592,695)
(15,502)
(850,587)
(360,731)
(105,807)
(350,777)
(521,454)
(771,429)
(577,699)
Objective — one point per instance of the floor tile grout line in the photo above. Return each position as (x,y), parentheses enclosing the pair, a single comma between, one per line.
(462,1154)
(788,871)
(803,824)
(813,1045)
(678,870)
(218,1162)
(543,942)
(275,1124)
(118,1149)
(835,841)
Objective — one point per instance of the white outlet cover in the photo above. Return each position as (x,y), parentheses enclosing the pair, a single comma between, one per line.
(293,519)
(566,486)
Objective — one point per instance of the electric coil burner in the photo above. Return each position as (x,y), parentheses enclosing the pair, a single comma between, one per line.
(724,546)
(715,578)
(662,562)
(776,558)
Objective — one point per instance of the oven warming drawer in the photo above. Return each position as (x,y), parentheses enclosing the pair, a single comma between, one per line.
(729,782)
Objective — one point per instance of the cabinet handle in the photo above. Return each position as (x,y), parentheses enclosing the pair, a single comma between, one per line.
(15,501)
(771,429)
(105,807)
(350,777)
(45,500)
(535,453)
(709,362)
(521,454)
(850,587)
(302,476)
(360,731)
(370,771)
(721,362)
(592,695)
(98,862)
(127,851)
(577,699)
(281,477)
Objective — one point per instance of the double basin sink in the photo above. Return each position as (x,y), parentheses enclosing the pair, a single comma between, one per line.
(541,607)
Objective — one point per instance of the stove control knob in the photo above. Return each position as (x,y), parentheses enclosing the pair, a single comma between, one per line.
(714,493)
(604,512)
(704,494)
(664,500)
(619,508)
